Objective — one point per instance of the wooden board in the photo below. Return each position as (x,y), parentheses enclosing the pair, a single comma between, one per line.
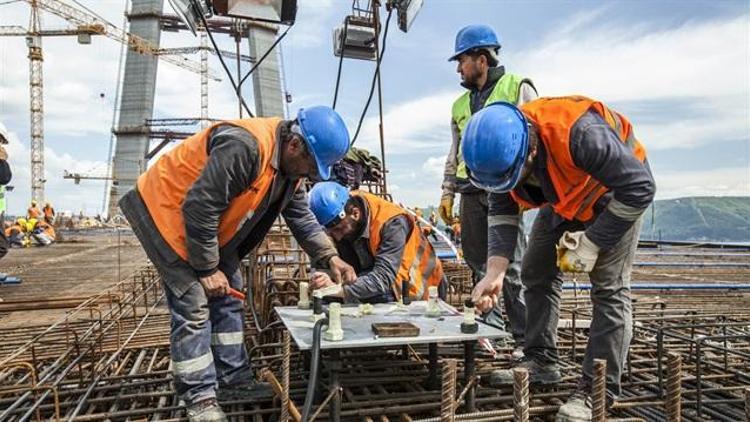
(395,329)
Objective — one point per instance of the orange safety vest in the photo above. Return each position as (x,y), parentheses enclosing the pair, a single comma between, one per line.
(49,211)
(576,190)
(33,212)
(47,229)
(419,264)
(164,185)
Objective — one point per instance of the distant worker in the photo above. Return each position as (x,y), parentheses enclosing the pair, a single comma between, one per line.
(201,208)
(381,240)
(5,176)
(49,213)
(433,219)
(33,211)
(43,233)
(16,233)
(477,55)
(582,164)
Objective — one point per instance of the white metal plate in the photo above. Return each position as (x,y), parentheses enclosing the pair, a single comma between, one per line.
(358,331)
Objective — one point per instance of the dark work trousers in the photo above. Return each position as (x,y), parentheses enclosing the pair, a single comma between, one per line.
(474,209)
(206,341)
(611,324)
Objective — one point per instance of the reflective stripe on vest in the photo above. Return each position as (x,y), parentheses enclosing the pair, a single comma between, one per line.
(506,89)
(164,186)
(576,190)
(419,264)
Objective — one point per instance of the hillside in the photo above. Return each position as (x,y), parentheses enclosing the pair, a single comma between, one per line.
(718,219)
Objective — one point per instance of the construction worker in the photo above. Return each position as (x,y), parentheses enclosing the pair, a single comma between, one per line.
(43,233)
(381,240)
(476,54)
(49,213)
(5,176)
(16,233)
(33,211)
(580,163)
(201,208)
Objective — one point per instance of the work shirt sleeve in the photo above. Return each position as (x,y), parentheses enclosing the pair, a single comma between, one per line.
(597,149)
(526,92)
(378,281)
(306,229)
(451,161)
(503,220)
(231,167)
(5,173)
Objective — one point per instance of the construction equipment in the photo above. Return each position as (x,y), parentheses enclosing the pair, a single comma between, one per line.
(192,12)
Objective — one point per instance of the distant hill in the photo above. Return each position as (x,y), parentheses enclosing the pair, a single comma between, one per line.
(717,219)
(700,218)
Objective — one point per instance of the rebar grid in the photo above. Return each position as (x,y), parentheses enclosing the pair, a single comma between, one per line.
(88,361)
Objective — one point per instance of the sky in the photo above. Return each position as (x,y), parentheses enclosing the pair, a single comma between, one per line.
(679,70)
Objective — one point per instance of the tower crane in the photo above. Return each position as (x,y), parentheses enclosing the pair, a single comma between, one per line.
(86,24)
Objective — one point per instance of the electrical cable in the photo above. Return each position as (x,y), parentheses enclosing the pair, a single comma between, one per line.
(224,65)
(263,57)
(375,77)
(341,62)
(314,368)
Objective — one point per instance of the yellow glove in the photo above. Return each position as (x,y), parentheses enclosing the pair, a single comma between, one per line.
(576,253)
(446,208)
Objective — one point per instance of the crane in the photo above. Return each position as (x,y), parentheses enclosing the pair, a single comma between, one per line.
(87,24)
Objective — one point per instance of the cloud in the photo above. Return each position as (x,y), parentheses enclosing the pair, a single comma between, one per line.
(615,63)
(416,126)
(433,167)
(312,28)
(63,193)
(730,181)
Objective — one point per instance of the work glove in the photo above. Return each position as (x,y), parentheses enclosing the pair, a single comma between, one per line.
(576,253)
(446,208)
(3,154)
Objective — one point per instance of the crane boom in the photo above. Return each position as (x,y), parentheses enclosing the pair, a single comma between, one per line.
(80,17)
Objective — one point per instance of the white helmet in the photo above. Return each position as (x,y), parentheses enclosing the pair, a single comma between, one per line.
(4,135)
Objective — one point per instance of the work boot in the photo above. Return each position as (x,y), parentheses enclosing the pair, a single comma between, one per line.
(249,391)
(578,406)
(206,410)
(539,374)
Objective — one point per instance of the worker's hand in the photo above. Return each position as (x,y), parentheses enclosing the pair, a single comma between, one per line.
(446,208)
(3,154)
(320,280)
(215,285)
(341,271)
(576,253)
(486,292)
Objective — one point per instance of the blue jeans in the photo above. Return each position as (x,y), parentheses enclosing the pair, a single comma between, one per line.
(206,341)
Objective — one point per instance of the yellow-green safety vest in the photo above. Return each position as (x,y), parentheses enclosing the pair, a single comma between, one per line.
(506,89)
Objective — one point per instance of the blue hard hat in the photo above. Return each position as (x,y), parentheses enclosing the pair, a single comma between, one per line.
(326,136)
(494,146)
(474,36)
(328,202)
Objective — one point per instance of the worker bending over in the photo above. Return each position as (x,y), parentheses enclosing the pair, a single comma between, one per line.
(381,240)
(42,233)
(485,81)
(581,163)
(201,208)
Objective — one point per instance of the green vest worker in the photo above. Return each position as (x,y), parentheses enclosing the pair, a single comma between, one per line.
(476,52)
